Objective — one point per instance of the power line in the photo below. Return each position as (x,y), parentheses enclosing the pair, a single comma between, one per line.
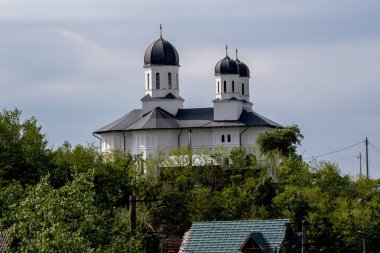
(373,145)
(374,149)
(343,159)
(335,151)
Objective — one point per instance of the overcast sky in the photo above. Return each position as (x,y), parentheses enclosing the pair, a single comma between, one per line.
(77,65)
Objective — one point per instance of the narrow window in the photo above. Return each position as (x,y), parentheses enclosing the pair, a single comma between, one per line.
(176,81)
(233,86)
(218,87)
(225,87)
(242,89)
(157,80)
(229,138)
(169,80)
(222,137)
(147,79)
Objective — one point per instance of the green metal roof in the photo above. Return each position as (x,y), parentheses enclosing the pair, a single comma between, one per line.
(229,236)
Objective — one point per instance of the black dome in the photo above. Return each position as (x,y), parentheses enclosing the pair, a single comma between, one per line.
(243,69)
(226,66)
(161,52)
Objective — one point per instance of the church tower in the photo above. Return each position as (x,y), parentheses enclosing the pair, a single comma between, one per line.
(161,64)
(244,76)
(231,89)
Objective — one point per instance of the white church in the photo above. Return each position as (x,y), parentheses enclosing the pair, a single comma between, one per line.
(162,123)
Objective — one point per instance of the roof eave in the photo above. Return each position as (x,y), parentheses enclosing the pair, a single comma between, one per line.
(188,127)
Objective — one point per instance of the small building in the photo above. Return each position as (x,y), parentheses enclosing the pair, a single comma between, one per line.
(248,236)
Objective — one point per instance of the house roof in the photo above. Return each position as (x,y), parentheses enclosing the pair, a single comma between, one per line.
(229,236)
(158,118)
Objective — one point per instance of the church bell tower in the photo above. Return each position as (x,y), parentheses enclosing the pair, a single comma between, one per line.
(161,64)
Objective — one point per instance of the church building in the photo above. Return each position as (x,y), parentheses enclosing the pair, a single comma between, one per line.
(162,123)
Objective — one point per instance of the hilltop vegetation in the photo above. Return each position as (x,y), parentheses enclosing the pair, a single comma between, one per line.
(73,199)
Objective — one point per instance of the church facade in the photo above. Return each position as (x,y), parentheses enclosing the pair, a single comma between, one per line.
(163,124)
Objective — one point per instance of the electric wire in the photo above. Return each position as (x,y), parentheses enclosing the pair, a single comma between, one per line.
(374,150)
(373,145)
(343,159)
(335,151)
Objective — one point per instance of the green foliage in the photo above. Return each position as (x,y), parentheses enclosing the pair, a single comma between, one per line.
(283,140)
(23,153)
(67,219)
(264,192)
(73,199)
(50,220)
(10,196)
(200,203)
(68,162)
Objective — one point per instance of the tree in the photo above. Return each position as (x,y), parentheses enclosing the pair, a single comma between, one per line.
(68,219)
(67,162)
(10,195)
(81,202)
(283,140)
(50,220)
(23,153)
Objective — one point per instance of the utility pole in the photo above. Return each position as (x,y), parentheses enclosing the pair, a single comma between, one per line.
(360,164)
(366,155)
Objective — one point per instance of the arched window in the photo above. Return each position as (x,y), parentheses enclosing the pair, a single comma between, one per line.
(233,86)
(229,138)
(222,137)
(148,81)
(169,80)
(218,87)
(225,87)
(242,88)
(157,80)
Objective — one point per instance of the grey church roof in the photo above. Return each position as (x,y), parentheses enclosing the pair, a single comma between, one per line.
(243,69)
(148,97)
(226,66)
(185,118)
(161,52)
(157,118)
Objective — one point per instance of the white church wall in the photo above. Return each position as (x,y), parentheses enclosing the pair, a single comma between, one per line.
(228,137)
(147,143)
(245,82)
(227,110)
(228,93)
(249,137)
(169,105)
(211,137)
(110,141)
(151,86)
